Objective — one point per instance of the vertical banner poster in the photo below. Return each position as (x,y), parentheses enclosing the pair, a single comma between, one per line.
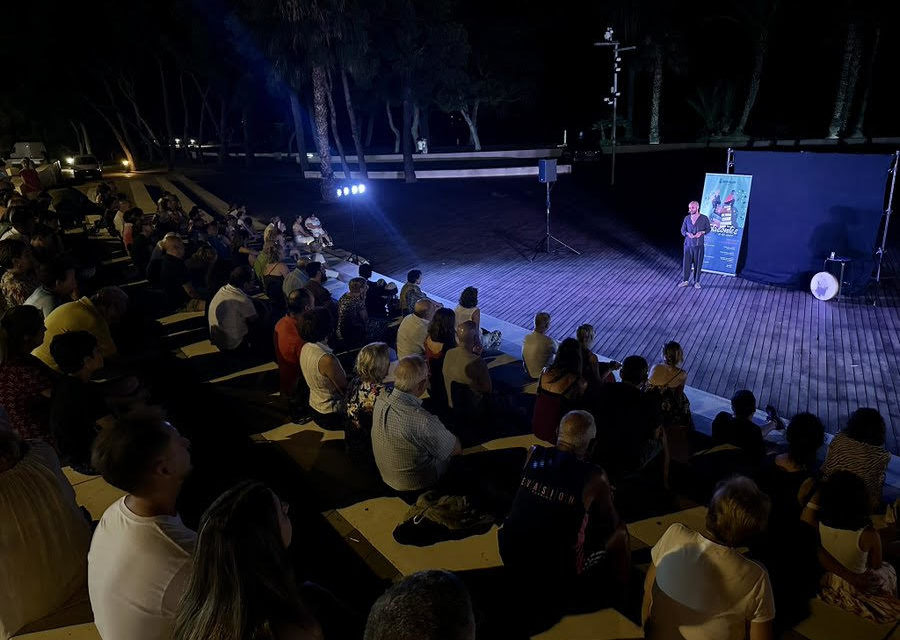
(726,197)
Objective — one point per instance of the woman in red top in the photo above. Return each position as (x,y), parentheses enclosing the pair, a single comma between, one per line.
(24,378)
(560,387)
(31,181)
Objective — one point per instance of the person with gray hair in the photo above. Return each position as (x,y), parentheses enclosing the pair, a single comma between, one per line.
(428,605)
(538,348)
(563,513)
(702,582)
(464,365)
(414,328)
(372,364)
(412,447)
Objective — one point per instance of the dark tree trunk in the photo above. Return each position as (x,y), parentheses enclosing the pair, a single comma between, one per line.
(201,120)
(394,129)
(123,129)
(297,114)
(78,141)
(345,166)
(409,169)
(354,127)
(120,138)
(186,130)
(370,129)
(320,131)
(245,126)
(87,140)
(426,124)
(170,142)
(223,137)
(205,103)
(858,128)
(847,82)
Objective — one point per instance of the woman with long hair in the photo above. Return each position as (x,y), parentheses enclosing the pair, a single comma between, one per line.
(274,273)
(242,585)
(467,309)
(440,339)
(372,364)
(560,387)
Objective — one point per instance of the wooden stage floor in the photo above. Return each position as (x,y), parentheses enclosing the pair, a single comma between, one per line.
(790,349)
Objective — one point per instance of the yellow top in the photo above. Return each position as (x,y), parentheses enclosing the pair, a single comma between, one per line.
(80,315)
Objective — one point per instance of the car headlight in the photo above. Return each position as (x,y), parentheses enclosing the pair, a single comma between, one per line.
(70,160)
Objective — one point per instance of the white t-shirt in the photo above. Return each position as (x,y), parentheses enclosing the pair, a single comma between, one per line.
(537,352)
(229,310)
(704,590)
(138,569)
(411,336)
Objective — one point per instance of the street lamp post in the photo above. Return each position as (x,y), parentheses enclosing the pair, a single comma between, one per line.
(613,99)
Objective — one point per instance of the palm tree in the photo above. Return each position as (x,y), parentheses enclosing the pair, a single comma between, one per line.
(759,15)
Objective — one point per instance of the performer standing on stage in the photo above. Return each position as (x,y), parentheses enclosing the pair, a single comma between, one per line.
(694,227)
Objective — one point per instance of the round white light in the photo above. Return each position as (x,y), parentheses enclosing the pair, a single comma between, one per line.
(362,188)
(346,191)
(339,192)
(354,189)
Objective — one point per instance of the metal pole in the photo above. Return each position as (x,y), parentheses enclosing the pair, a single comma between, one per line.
(548,218)
(729,160)
(887,220)
(353,222)
(615,102)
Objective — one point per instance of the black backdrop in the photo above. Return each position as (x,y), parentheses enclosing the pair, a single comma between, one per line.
(803,206)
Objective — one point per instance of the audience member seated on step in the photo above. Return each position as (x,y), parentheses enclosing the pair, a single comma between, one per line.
(123,206)
(563,514)
(428,605)
(154,265)
(353,318)
(321,370)
(560,388)
(594,371)
(856,577)
(788,549)
(538,348)
(467,310)
(31,180)
(381,296)
(58,286)
(413,329)
(46,244)
(174,279)
(465,368)
(700,581)
(667,380)
(217,241)
(19,280)
(96,315)
(77,403)
(411,292)
(45,535)
(24,380)
(412,448)
(243,584)
(739,430)
(630,438)
(372,364)
(296,279)
(288,343)
(201,266)
(440,339)
(859,448)
(21,224)
(314,227)
(274,274)
(232,313)
(139,563)
(321,296)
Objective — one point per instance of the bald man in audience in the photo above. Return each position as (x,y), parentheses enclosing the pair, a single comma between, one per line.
(414,328)
(563,513)
(464,365)
(412,447)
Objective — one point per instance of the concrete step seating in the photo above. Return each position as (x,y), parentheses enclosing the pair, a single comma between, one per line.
(365,517)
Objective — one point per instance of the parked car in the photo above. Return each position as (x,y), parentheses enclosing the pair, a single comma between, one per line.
(80,167)
(34,150)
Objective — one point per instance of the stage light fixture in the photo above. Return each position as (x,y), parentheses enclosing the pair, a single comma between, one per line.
(340,192)
(354,189)
(346,191)
(362,188)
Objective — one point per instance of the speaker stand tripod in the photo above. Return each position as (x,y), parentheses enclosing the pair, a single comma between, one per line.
(543,245)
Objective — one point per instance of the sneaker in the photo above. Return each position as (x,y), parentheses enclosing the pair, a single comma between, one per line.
(696,285)
(684,284)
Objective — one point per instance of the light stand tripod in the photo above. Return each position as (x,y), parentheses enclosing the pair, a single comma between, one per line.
(882,247)
(543,245)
